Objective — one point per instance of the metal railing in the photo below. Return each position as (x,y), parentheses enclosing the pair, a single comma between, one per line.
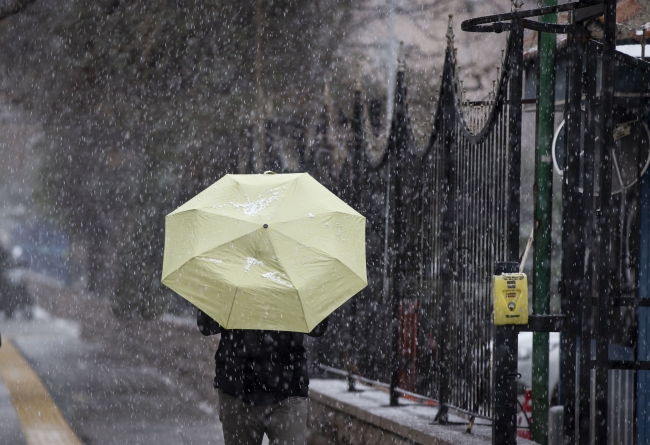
(440,214)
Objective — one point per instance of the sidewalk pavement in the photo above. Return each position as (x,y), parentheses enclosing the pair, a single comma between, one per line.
(10,430)
(104,399)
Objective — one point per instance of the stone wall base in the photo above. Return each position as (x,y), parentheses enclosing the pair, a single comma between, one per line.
(339,417)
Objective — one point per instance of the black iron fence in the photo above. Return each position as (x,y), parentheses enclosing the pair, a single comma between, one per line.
(441,212)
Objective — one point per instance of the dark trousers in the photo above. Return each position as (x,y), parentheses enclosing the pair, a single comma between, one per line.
(284,423)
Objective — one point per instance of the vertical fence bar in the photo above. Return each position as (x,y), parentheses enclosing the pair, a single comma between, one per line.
(604,223)
(514,140)
(504,425)
(356,192)
(641,276)
(584,396)
(397,141)
(448,214)
(572,270)
(477,243)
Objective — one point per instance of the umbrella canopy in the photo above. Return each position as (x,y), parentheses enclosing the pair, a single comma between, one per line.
(276,252)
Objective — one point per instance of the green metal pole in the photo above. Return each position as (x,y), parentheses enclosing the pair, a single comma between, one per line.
(543,206)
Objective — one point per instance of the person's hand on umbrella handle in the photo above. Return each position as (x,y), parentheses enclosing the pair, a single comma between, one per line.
(320,328)
(206,324)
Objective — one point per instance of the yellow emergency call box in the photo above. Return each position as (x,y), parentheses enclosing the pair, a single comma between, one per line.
(510,299)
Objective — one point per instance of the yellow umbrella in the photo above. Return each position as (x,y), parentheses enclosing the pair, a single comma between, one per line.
(276,252)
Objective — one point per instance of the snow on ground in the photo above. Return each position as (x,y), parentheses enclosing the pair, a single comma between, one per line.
(370,398)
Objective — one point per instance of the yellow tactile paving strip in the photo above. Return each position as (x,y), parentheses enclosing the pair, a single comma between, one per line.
(39,416)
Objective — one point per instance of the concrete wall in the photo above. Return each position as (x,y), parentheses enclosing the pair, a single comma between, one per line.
(328,426)
(338,417)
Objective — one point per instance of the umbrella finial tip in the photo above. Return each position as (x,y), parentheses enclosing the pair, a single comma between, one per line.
(266,226)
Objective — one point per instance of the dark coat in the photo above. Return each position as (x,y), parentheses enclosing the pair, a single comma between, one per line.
(260,367)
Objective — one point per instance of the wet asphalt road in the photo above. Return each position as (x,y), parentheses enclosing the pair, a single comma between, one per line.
(106,400)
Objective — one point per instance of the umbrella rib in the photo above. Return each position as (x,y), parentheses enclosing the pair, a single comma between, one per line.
(241,193)
(201,210)
(234,298)
(292,183)
(207,250)
(304,314)
(329,212)
(312,248)
(316,249)
(295,184)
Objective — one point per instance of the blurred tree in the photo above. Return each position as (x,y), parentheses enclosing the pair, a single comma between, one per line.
(146,103)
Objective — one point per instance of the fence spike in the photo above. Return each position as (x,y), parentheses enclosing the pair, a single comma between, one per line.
(450,31)
(517,4)
(400,57)
(643,44)
(326,94)
(269,108)
(357,78)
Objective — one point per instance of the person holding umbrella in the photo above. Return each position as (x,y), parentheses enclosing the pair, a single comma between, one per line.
(266,259)
(263,383)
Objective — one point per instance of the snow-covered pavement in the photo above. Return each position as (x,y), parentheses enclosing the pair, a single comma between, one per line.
(103,397)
